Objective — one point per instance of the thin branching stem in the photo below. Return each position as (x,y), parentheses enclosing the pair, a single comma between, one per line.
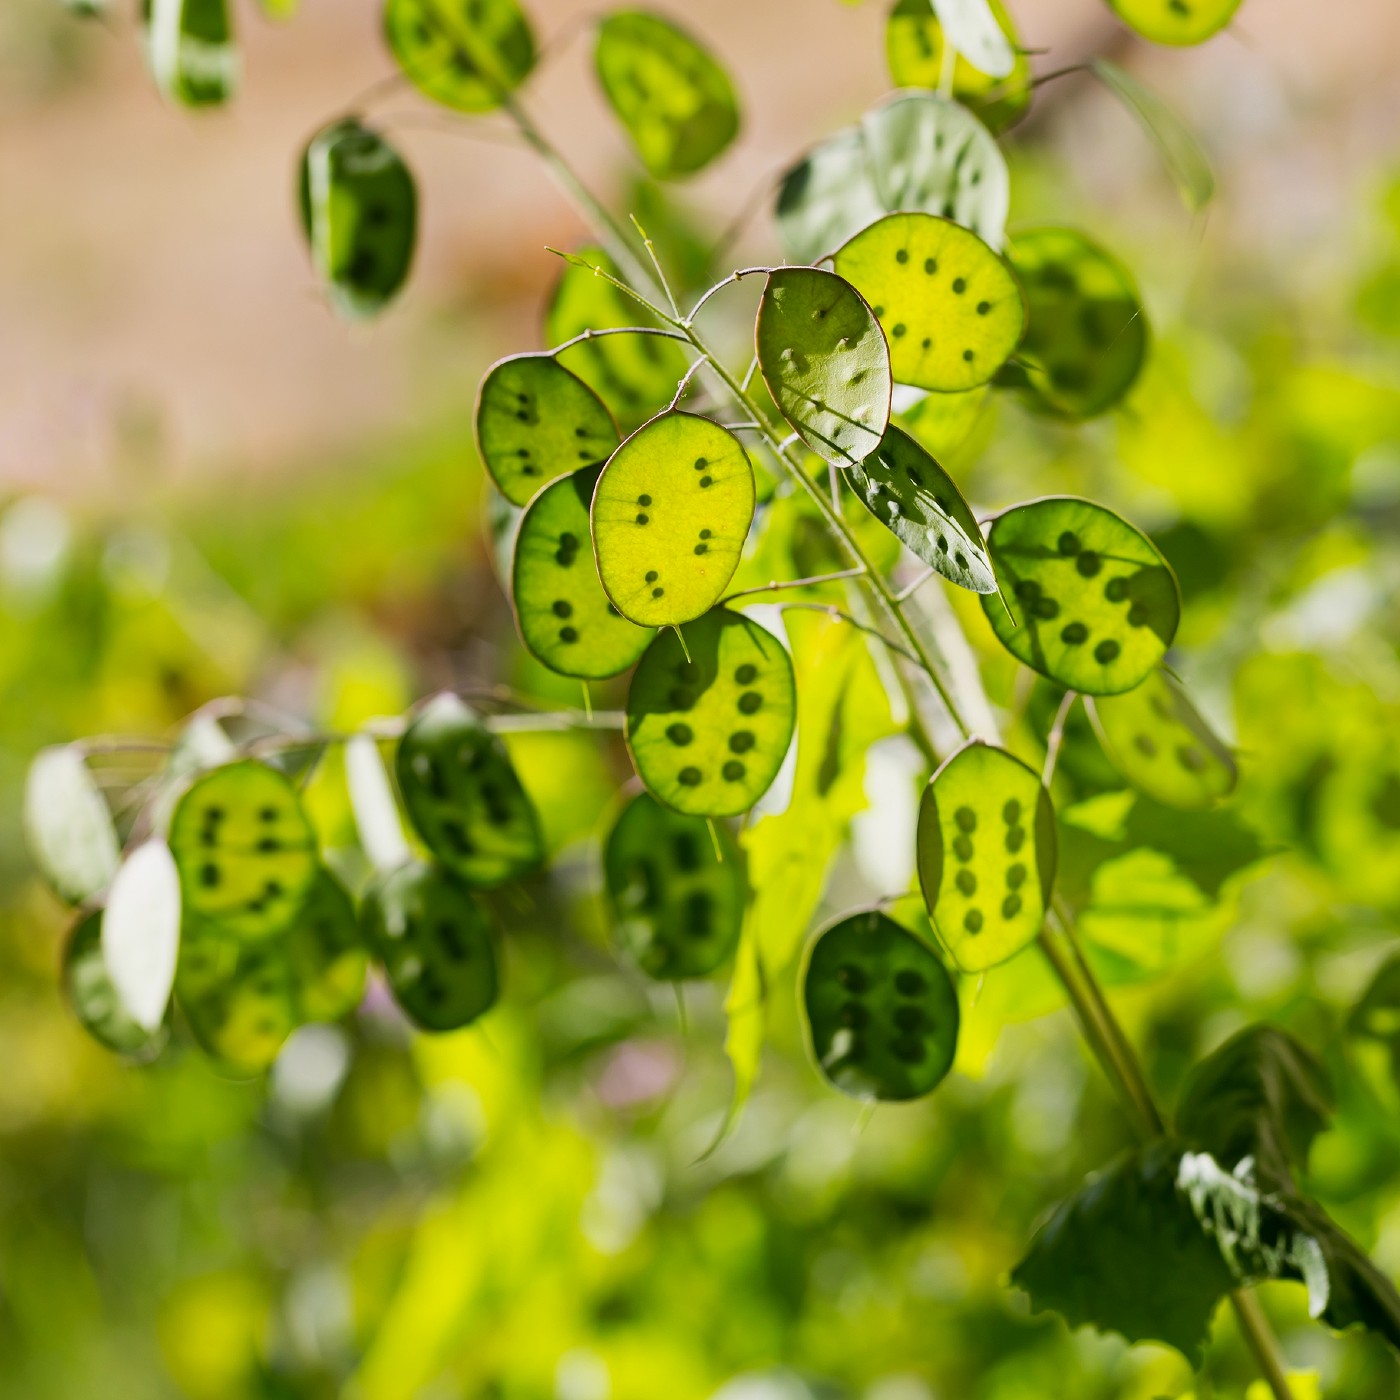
(737,275)
(776,586)
(664,331)
(1057,737)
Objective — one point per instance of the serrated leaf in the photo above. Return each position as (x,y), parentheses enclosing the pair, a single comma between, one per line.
(881,1009)
(535,422)
(191,50)
(435,943)
(141,932)
(1181,152)
(677,904)
(635,375)
(245,849)
(566,619)
(464,797)
(1176,22)
(949,306)
(1086,336)
(68,826)
(674,100)
(359,212)
(986,855)
(1159,742)
(1087,600)
(670,514)
(825,361)
(466,54)
(904,488)
(708,731)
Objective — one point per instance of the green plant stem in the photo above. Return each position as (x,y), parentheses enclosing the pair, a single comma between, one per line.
(1091,1007)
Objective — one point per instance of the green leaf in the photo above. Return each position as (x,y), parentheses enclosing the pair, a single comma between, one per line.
(467,54)
(914,53)
(565,618)
(675,101)
(535,422)
(905,489)
(1087,336)
(929,155)
(359,212)
(1086,600)
(677,903)
(94,999)
(191,50)
(1177,22)
(1181,152)
(68,826)
(1126,1254)
(916,151)
(670,514)
(986,855)
(949,306)
(1160,743)
(464,798)
(1261,1095)
(708,731)
(882,1012)
(635,375)
(825,361)
(141,933)
(245,849)
(243,999)
(435,943)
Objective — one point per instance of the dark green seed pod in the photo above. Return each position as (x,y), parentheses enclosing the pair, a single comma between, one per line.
(244,848)
(1086,599)
(881,1008)
(359,211)
(191,50)
(566,619)
(535,422)
(676,905)
(464,798)
(466,54)
(435,943)
(986,855)
(94,999)
(708,732)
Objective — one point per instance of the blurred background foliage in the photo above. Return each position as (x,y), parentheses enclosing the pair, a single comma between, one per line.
(520,1210)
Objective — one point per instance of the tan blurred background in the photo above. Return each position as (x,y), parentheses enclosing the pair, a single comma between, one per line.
(156,306)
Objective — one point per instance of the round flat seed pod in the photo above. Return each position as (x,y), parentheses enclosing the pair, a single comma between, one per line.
(635,375)
(949,306)
(238,997)
(191,50)
(826,197)
(535,421)
(905,489)
(244,848)
(986,855)
(1086,599)
(1177,22)
(465,54)
(881,1009)
(464,798)
(677,907)
(359,211)
(93,997)
(670,515)
(1159,742)
(825,362)
(1087,336)
(675,102)
(708,734)
(928,153)
(435,943)
(914,53)
(566,620)
(325,954)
